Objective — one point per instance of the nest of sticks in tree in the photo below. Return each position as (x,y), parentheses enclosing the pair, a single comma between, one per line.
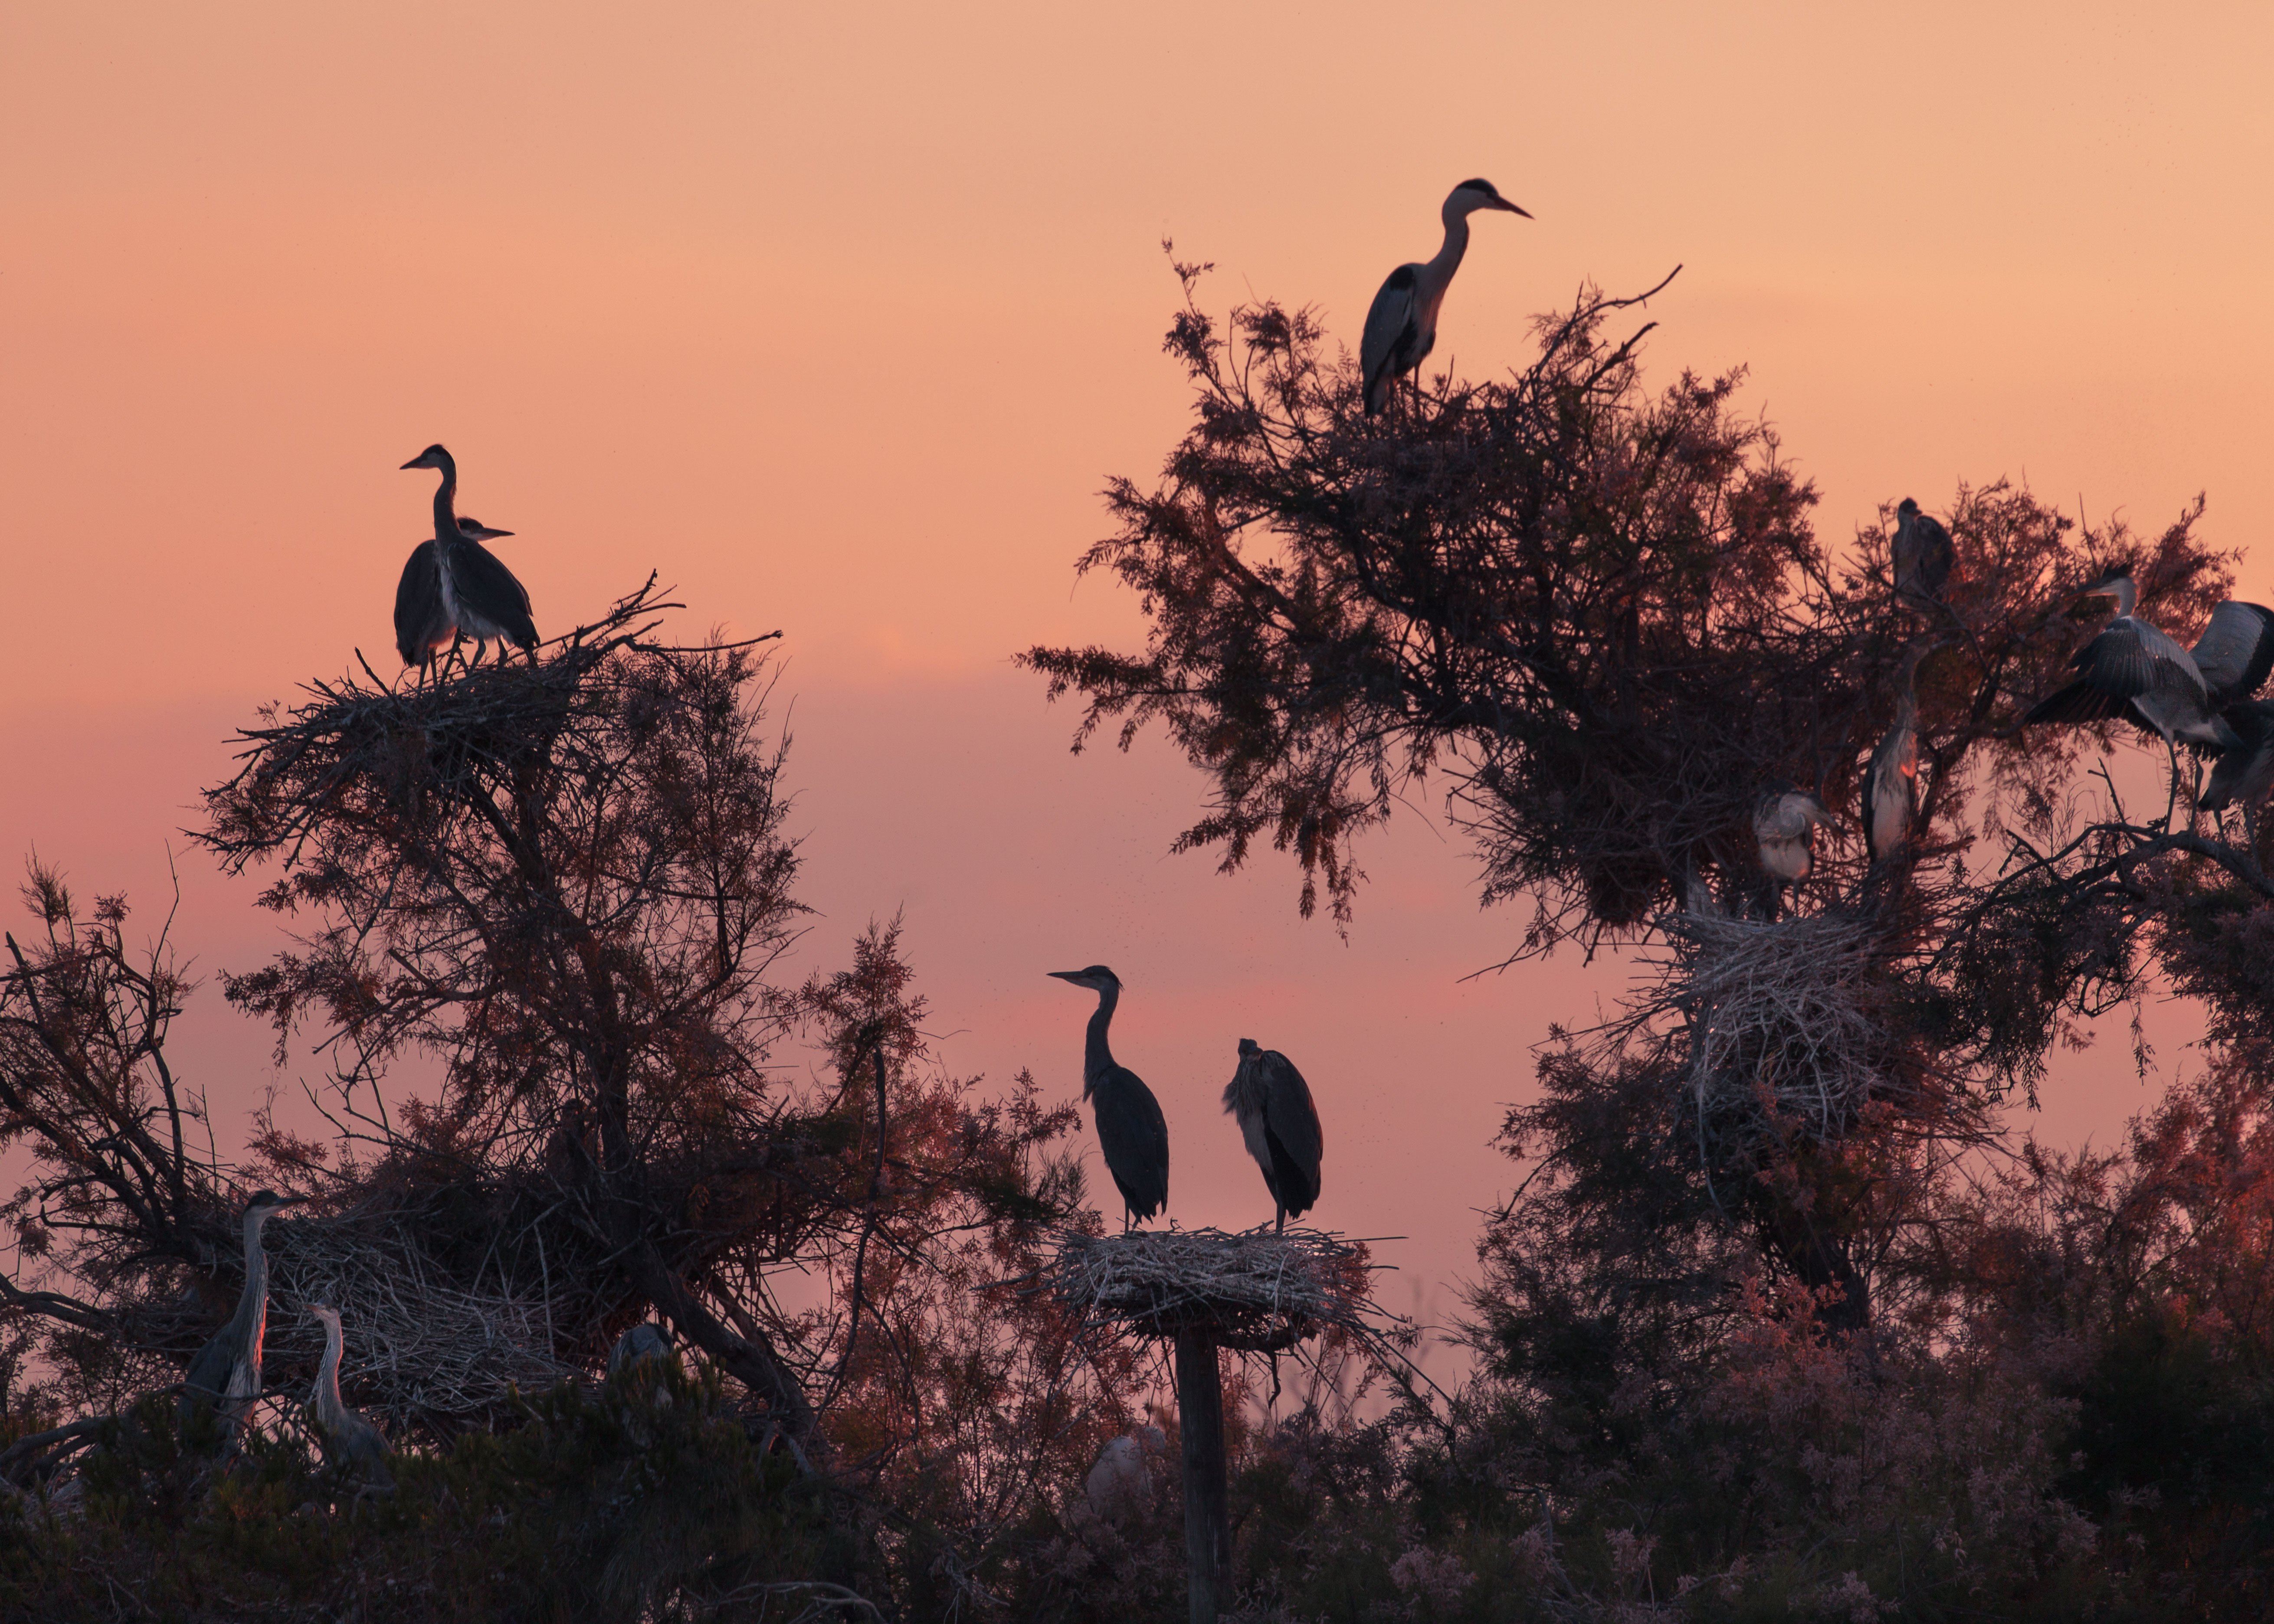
(1784,1019)
(1259,1290)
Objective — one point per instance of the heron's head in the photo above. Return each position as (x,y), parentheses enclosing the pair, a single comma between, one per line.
(267,1203)
(1471,195)
(2117,583)
(434,456)
(1097,978)
(328,1315)
(474,529)
(1906,510)
(1249,1048)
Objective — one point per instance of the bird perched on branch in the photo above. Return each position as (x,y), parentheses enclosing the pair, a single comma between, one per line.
(352,1443)
(1131,1130)
(2135,671)
(226,1373)
(1281,1125)
(423,622)
(1401,327)
(1890,783)
(480,598)
(1922,555)
(1784,832)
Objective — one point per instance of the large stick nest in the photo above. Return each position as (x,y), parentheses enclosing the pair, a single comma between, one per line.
(1259,1290)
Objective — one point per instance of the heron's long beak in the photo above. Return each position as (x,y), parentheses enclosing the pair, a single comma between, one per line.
(419,462)
(1066,975)
(1513,208)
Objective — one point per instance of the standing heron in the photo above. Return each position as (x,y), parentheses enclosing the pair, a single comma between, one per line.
(350,1441)
(423,618)
(479,594)
(1401,327)
(226,1373)
(1281,1125)
(1131,1130)
(1921,553)
(2135,671)
(1891,783)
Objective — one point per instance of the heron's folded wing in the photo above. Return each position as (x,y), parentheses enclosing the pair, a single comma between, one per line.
(489,589)
(2236,650)
(1289,1109)
(1390,315)
(420,619)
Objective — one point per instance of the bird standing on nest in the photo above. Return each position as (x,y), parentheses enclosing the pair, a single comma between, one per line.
(1401,326)
(1281,1125)
(352,1443)
(480,596)
(1131,1130)
(423,619)
(226,1373)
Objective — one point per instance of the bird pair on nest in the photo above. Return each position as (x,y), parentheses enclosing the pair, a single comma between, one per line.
(453,586)
(1267,1094)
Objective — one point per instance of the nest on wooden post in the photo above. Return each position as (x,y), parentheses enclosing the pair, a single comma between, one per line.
(1259,1290)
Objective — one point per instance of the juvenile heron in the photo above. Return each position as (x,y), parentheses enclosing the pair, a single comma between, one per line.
(423,618)
(1281,1125)
(351,1442)
(645,1341)
(1891,783)
(2135,671)
(1784,832)
(1131,1130)
(1120,1484)
(1401,327)
(1921,555)
(226,1373)
(479,594)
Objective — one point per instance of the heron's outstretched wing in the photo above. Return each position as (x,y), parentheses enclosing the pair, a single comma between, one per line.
(2236,650)
(1134,1137)
(1294,1121)
(422,620)
(2129,659)
(485,586)
(1390,335)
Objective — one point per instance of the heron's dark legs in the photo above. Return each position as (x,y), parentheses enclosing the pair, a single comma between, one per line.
(1283,1218)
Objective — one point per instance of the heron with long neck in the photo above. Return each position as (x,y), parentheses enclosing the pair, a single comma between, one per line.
(1279,1124)
(1131,1130)
(1401,326)
(479,596)
(225,1375)
(424,620)
(350,1441)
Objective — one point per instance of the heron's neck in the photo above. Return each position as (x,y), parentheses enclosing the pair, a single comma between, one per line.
(445,504)
(328,1406)
(1096,1058)
(253,1307)
(1439,271)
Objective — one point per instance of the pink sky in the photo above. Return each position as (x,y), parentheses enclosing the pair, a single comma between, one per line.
(841,317)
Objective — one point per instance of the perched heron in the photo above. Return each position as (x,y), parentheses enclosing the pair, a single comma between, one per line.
(351,1442)
(1120,1485)
(1784,832)
(1131,1130)
(226,1374)
(2135,671)
(423,618)
(1401,327)
(479,593)
(1281,1125)
(1891,783)
(645,1341)
(2245,770)
(1923,554)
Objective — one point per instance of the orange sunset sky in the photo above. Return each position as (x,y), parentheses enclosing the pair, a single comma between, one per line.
(839,317)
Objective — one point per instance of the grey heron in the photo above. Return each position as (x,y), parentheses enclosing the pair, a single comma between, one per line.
(645,1341)
(2245,770)
(479,594)
(1784,832)
(1921,555)
(226,1373)
(1891,783)
(351,1442)
(1280,1124)
(1120,1484)
(1131,1130)
(1401,326)
(423,617)
(2136,672)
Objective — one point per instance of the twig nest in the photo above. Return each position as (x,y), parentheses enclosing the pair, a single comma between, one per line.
(1259,1290)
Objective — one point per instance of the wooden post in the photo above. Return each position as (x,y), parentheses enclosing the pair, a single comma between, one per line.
(1208,1514)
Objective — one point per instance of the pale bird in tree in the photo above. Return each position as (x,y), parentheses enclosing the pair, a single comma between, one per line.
(1890,783)
(1401,327)
(424,623)
(1131,1130)
(2245,769)
(1784,832)
(352,1443)
(1280,1124)
(226,1373)
(480,598)
(1923,554)
(2133,671)
(1120,1484)
(645,1342)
